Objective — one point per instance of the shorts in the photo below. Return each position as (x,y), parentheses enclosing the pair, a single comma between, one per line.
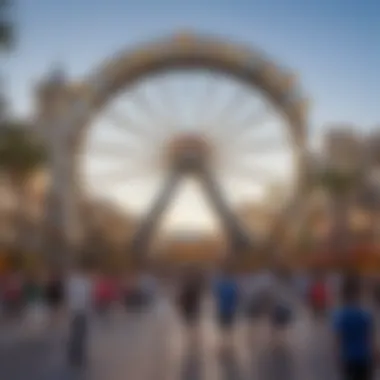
(357,371)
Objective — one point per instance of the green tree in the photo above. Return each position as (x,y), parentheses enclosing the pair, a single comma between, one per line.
(22,154)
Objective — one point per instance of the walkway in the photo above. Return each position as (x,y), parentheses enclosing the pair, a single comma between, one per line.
(149,346)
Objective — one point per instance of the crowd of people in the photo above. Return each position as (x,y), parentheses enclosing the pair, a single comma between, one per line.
(347,304)
(20,294)
(271,294)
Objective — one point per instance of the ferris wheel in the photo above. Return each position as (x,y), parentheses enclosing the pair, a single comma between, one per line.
(193,109)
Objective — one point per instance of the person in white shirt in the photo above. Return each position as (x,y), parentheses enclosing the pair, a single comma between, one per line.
(79,299)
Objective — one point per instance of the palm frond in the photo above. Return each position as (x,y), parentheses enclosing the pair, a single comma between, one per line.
(21,152)
(337,182)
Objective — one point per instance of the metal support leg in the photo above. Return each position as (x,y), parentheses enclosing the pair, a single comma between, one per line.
(238,239)
(142,238)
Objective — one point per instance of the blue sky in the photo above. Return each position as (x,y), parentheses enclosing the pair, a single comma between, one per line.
(333,45)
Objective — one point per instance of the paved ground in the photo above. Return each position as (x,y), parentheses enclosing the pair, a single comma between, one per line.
(144,346)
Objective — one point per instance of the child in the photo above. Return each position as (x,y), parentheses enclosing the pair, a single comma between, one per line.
(354,330)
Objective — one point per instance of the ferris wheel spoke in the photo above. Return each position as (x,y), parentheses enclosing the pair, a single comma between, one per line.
(254,120)
(116,150)
(250,147)
(224,117)
(169,102)
(110,150)
(119,176)
(126,124)
(152,115)
(252,151)
(207,98)
(253,174)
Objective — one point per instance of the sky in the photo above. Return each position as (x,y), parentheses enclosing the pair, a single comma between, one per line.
(332,45)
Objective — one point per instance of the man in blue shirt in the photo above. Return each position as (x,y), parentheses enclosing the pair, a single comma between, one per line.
(227,301)
(354,329)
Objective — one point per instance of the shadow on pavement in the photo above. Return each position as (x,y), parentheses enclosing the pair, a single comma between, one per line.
(229,366)
(191,366)
(24,360)
(193,362)
(275,362)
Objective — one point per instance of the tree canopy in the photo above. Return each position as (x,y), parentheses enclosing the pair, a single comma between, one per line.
(21,152)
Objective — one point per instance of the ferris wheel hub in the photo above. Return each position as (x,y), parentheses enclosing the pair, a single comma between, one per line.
(189,152)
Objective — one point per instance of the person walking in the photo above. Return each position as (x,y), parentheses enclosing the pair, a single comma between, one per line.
(13,296)
(258,296)
(55,297)
(354,331)
(79,292)
(35,308)
(319,297)
(189,302)
(283,306)
(227,301)
(104,294)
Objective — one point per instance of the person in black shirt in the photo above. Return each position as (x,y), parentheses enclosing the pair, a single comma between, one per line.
(190,299)
(54,295)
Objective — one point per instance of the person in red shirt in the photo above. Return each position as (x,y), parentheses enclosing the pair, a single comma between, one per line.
(104,295)
(319,296)
(13,295)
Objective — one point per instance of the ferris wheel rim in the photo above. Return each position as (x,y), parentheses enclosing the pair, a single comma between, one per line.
(201,52)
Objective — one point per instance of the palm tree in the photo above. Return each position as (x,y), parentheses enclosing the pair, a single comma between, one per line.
(340,186)
(21,156)
(368,200)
